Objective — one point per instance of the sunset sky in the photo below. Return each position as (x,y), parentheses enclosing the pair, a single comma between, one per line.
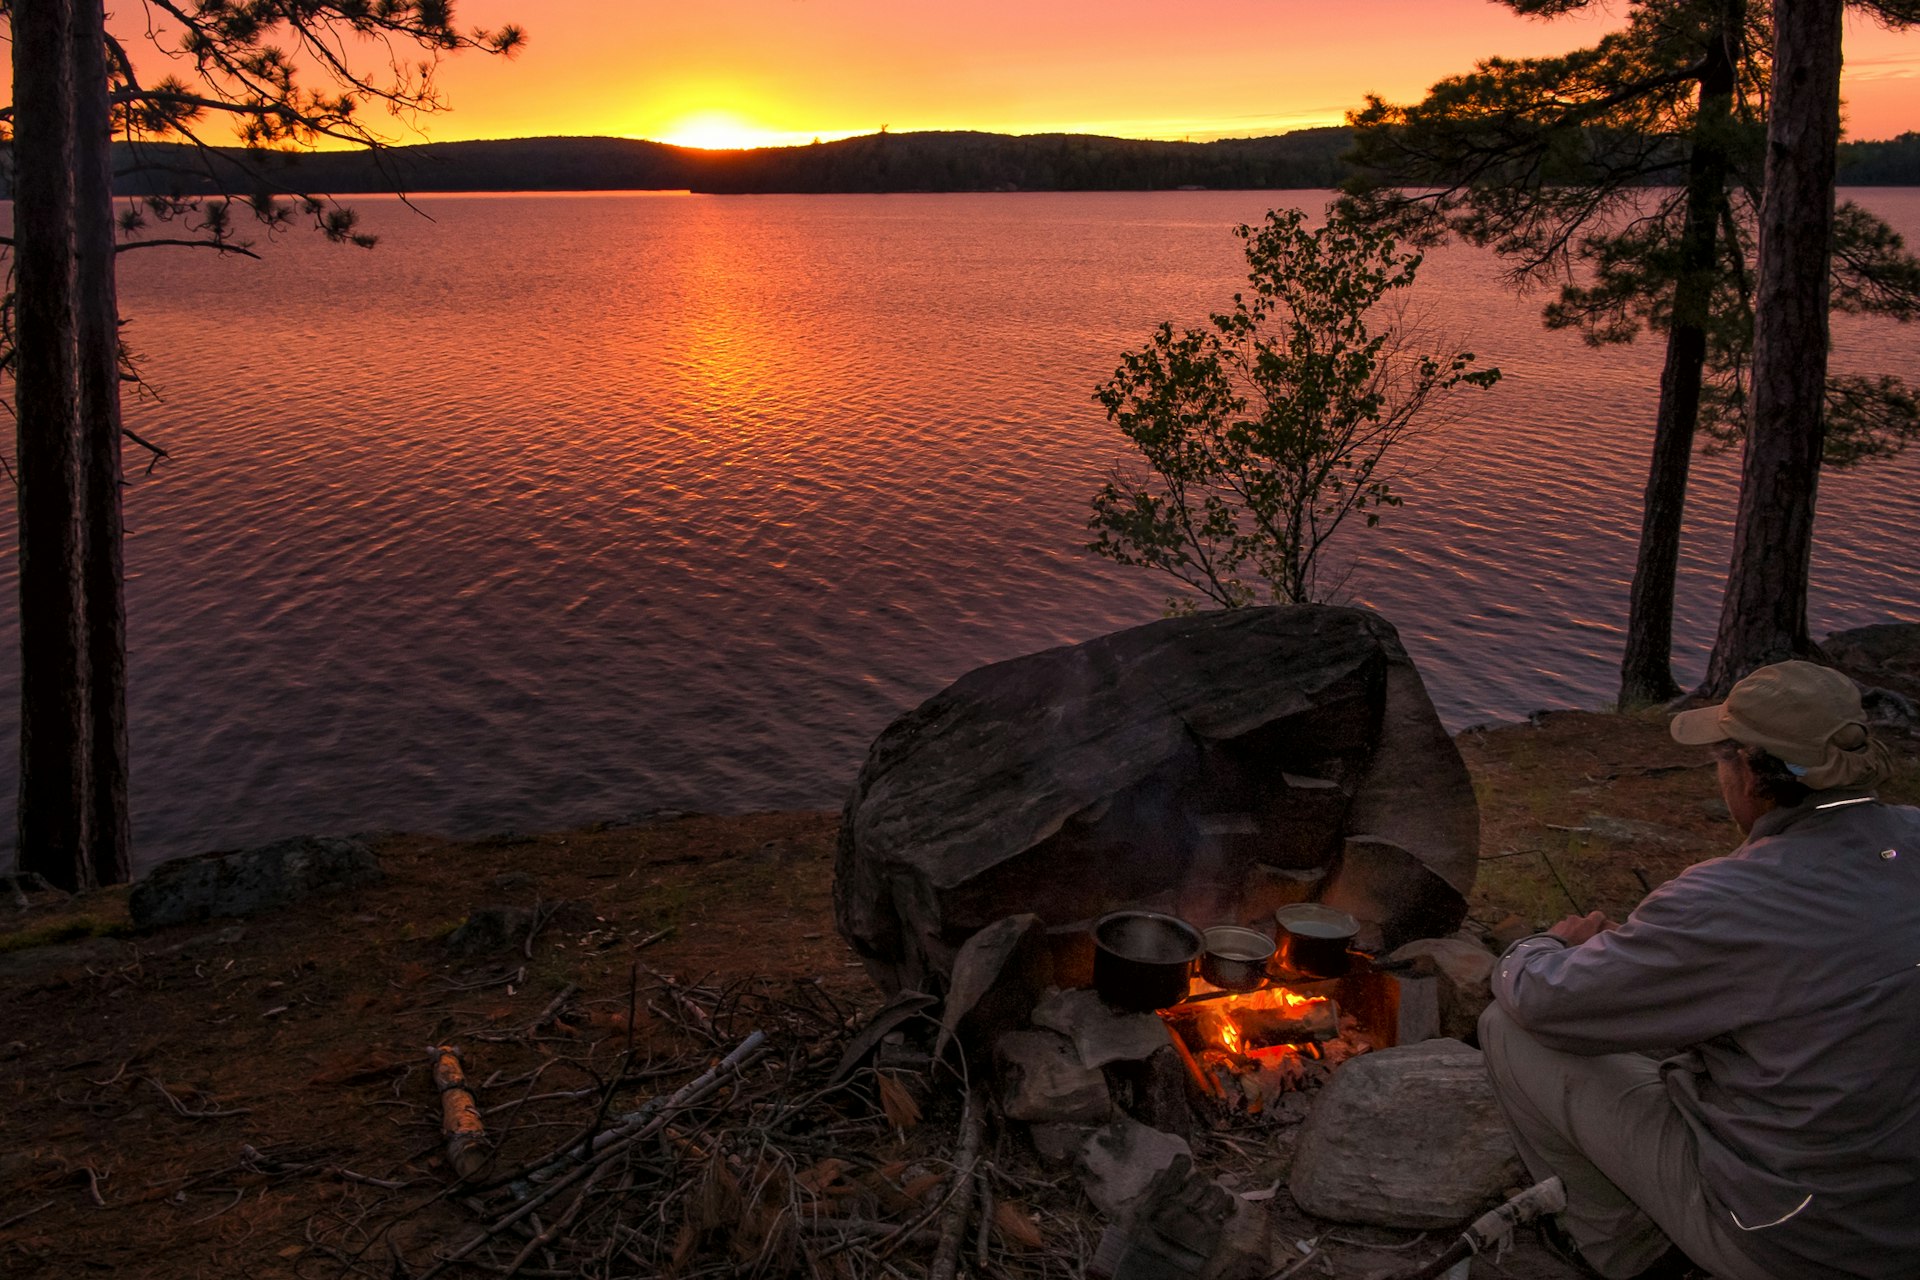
(757,72)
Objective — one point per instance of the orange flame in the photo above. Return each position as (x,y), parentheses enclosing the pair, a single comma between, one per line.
(1220,1029)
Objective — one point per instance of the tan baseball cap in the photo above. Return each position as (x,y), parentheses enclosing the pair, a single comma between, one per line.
(1794,710)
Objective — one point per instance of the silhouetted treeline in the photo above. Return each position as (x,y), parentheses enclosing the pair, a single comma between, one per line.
(1040,162)
(874,163)
(877,162)
(1893,163)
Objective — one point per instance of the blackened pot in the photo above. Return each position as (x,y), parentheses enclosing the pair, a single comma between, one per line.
(1313,938)
(1142,960)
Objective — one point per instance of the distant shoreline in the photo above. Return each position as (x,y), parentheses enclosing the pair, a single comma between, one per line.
(881,163)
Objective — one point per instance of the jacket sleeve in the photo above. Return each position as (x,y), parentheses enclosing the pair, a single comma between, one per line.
(1667,978)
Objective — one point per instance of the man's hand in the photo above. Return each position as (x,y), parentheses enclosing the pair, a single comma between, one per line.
(1575,930)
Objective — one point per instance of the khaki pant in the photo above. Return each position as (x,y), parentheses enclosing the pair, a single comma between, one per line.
(1606,1125)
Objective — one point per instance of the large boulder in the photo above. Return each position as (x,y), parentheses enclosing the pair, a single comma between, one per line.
(1193,763)
(1885,659)
(1408,1137)
(241,882)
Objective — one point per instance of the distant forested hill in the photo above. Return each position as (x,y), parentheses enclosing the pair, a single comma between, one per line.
(1893,163)
(874,163)
(878,162)
(1039,162)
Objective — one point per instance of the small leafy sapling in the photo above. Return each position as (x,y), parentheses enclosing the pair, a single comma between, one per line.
(1258,437)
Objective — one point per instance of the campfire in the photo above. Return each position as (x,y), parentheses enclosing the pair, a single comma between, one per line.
(1244,1050)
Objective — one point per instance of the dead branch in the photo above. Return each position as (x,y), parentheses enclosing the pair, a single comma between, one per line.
(552,1011)
(651,1118)
(543,911)
(205,1113)
(219,246)
(592,1156)
(983,1189)
(953,1225)
(25,1214)
(256,1161)
(152,448)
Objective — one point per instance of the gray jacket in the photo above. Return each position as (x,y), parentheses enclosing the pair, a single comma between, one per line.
(1789,972)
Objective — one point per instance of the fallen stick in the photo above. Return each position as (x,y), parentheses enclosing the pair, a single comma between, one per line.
(983,1185)
(547,1235)
(855,1227)
(21,1217)
(543,911)
(635,1127)
(1555,872)
(953,1225)
(259,1162)
(630,1123)
(460,1124)
(552,1011)
(204,1113)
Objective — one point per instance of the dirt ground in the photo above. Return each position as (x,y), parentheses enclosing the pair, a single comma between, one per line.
(137,1069)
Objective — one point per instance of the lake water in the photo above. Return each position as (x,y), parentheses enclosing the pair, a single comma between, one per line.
(559,508)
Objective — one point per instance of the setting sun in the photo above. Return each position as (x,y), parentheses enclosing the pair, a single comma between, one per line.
(718,131)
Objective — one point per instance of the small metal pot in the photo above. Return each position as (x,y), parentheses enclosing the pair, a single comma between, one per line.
(1142,960)
(1235,958)
(1314,938)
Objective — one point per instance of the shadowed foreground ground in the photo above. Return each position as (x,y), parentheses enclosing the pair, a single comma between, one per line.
(136,1069)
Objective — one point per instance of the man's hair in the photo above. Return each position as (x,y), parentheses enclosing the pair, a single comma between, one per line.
(1774,780)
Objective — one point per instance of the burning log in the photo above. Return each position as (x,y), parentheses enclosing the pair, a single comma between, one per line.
(1257,1020)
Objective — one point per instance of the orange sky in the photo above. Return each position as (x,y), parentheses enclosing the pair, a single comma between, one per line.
(734,71)
(746,72)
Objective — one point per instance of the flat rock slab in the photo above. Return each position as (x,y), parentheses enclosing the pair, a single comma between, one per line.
(242,882)
(993,980)
(1119,1162)
(1186,752)
(1041,1080)
(1408,1137)
(1100,1034)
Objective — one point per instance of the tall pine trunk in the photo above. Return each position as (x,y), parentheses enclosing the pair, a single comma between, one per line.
(1646,667)
(1763,618)
(55,810)
(97,335)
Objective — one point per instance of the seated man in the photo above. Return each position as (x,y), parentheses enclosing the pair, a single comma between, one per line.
(1779,1136)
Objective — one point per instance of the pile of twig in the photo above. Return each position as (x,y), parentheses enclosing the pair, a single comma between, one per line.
(778,1153)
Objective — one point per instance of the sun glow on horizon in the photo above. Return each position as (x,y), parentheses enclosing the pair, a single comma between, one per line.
(724,131)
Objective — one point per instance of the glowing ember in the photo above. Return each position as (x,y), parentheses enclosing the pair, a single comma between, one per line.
(1249,1049)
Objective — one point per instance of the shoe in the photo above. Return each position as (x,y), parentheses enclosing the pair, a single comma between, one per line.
(1556,1241)
(1671,1265)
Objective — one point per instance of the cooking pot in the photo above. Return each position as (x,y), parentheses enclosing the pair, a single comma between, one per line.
(1314,938)
(1236,958)
(1142,959)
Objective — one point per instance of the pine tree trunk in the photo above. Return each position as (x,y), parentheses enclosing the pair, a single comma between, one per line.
(1646,667)
(55,799)
(1763,618)
(97,336)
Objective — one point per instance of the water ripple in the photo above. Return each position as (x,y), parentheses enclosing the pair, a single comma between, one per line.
(558,508)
